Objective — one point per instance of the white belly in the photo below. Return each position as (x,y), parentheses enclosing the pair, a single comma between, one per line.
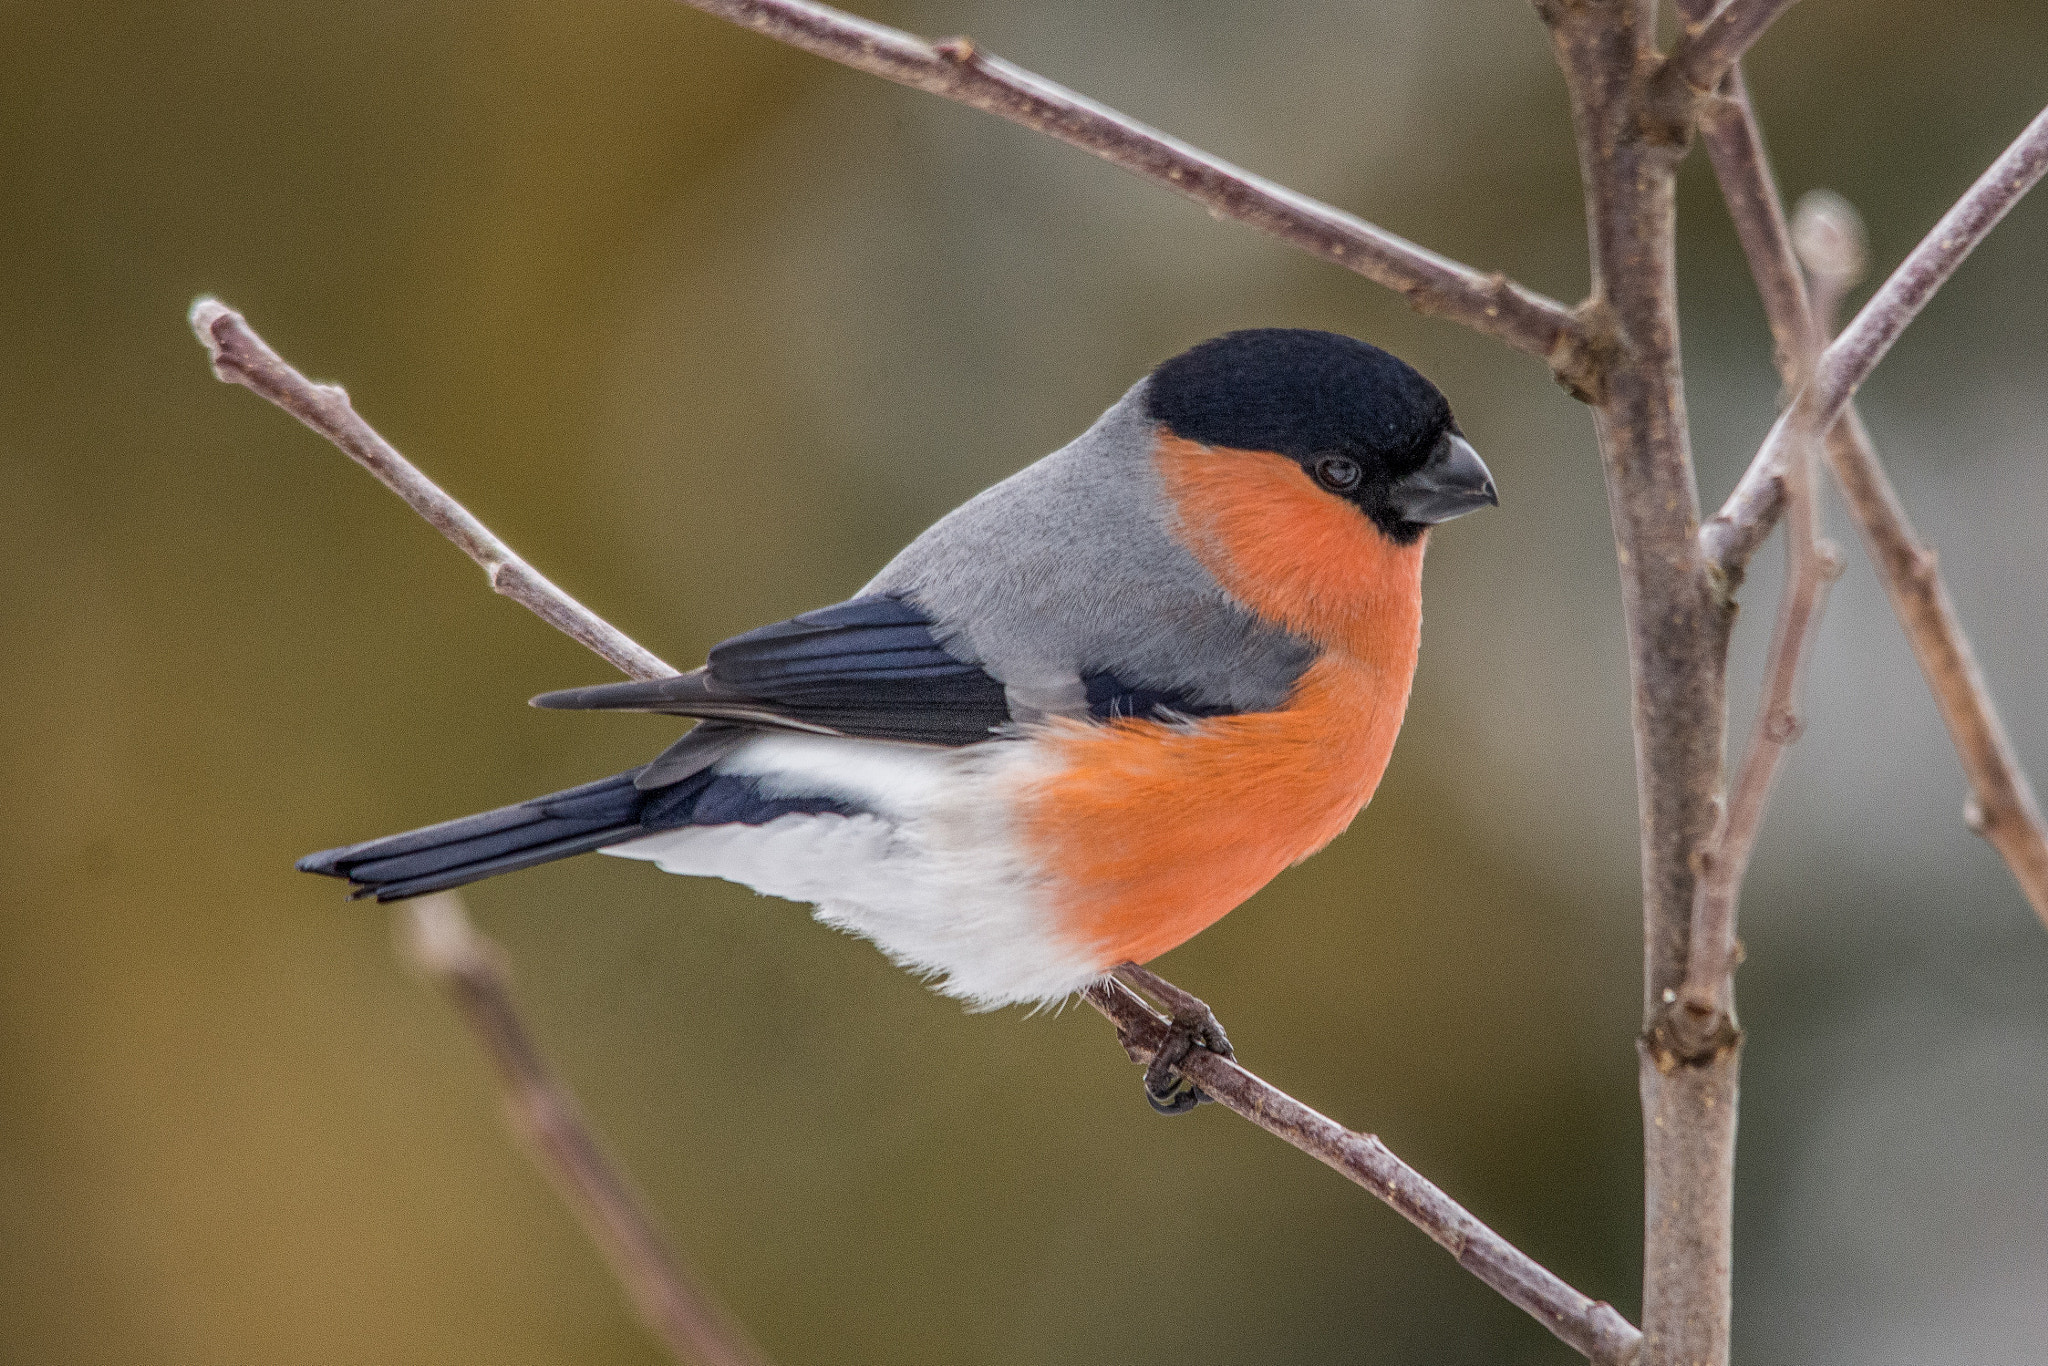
(929,870)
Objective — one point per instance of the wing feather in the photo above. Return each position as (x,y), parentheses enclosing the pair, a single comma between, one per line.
(868,667)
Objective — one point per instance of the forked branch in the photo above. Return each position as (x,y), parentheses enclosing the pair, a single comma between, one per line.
(1702,1018)
(1734,533)
(958,70)
(1710,48)
(1594,1328)
(2002,806)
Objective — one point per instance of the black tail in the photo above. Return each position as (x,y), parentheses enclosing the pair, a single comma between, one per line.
(512,837)
(609,811)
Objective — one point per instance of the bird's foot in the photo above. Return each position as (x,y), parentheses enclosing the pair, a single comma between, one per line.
(1191,1025)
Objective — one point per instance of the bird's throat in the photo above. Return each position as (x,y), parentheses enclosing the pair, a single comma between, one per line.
(1294,555)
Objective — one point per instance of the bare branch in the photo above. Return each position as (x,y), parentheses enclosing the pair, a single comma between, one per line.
(1733,534)
(241,357)
(443,941)
(1709,49)
(1734,143)
(1703,1008)
(2003,807)
(1593,1328)
(1677,646)
(436,936)
(958,70)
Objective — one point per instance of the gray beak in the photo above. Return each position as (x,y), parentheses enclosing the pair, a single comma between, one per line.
(1453,482)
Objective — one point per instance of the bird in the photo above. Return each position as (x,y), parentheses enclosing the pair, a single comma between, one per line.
(1076,721)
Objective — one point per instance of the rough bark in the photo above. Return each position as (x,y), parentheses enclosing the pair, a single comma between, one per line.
(1677,644)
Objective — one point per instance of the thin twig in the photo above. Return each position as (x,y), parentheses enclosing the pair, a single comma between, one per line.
(1734,533)
(958,70)
(1710,48)
(1570,1315)
(2002,807)
(241,357)
(436,936)
(1734,144)
(1703,1017)
(1591,1327)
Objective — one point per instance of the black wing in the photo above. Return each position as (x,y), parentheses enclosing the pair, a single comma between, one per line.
(869,667)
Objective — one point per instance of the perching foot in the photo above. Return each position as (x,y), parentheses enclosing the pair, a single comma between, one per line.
(1191,1025)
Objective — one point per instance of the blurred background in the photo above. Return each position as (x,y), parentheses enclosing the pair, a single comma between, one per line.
(707,328)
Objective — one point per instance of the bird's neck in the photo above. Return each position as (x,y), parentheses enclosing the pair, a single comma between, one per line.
(1296,556)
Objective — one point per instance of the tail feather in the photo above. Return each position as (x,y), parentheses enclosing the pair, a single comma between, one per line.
(531,856)
(609,811)
(461,851)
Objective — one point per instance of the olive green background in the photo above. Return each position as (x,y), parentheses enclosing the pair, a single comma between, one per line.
(707,327)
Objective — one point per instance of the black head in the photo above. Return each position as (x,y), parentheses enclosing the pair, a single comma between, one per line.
(1361,423)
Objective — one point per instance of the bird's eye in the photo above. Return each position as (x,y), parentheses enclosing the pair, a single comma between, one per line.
(1338,473)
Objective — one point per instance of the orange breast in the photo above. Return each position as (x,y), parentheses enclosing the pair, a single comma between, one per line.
(1150,832)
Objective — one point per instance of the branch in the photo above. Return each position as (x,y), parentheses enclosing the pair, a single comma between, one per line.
(958,70)
(1701,1014)
(682,1313)
(1709,49)
(1677,646)
(1734,144)
(1734,533)
(241,357)
(1593,1328)
(2002,807)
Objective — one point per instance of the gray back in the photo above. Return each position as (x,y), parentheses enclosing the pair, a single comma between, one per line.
(1067,569)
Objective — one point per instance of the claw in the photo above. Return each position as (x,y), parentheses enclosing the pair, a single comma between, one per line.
(1192,1025)
(1167,1091)
(1178,1103)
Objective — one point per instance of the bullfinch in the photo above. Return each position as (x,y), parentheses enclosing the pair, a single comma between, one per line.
(1076,721)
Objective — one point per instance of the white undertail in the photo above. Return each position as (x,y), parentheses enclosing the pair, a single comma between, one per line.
(930,870)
